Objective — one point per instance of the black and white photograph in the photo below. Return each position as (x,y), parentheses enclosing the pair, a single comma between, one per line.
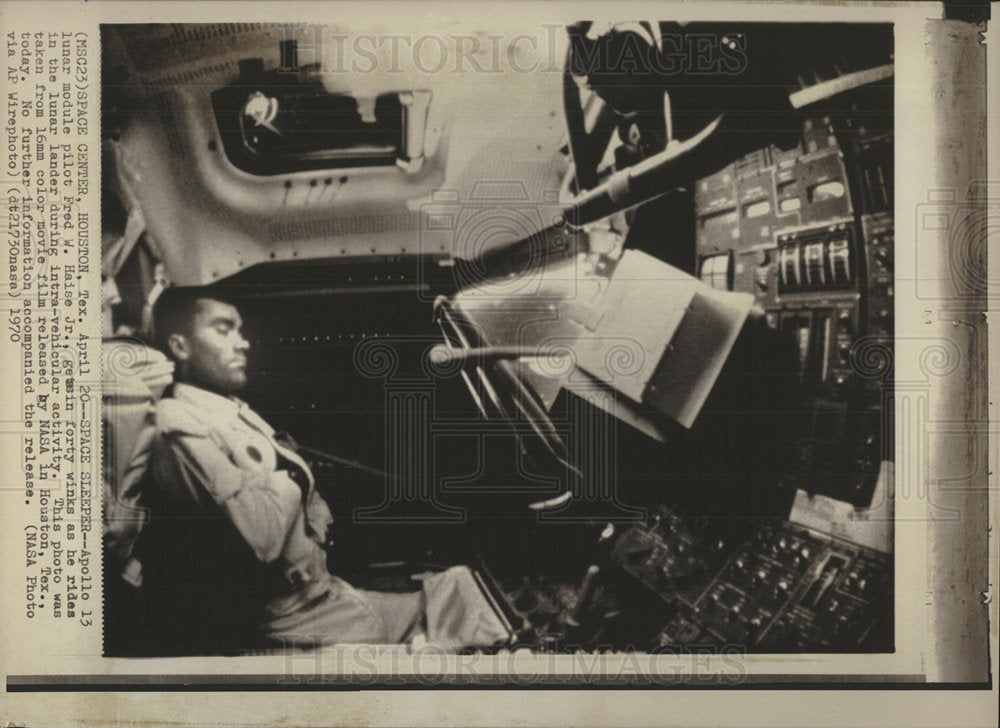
(566,338)
(486,364)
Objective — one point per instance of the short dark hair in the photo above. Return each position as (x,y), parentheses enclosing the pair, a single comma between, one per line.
(175,309)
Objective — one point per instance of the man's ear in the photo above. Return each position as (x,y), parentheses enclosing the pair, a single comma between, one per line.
(179,347)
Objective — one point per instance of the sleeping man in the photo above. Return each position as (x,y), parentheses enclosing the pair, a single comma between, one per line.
(233,552)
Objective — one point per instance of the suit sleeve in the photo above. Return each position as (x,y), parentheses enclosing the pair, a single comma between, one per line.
(262,505)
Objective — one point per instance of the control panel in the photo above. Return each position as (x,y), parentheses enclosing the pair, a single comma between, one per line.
(671,583)
(808,231)
(783,588)
(670,555)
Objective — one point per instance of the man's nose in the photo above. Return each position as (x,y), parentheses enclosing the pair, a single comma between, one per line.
(241,343)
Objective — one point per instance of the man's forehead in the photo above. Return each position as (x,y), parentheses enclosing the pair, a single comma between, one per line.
(210,309)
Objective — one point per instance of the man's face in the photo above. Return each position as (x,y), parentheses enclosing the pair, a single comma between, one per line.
(213,354)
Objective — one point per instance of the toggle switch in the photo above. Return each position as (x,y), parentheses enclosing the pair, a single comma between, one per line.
(587,589)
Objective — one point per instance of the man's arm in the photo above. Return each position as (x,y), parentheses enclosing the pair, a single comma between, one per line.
(262,505)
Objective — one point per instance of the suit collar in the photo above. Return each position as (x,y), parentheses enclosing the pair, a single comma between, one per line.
(208,402)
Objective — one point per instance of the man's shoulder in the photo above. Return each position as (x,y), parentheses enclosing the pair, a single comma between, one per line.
(177,417)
